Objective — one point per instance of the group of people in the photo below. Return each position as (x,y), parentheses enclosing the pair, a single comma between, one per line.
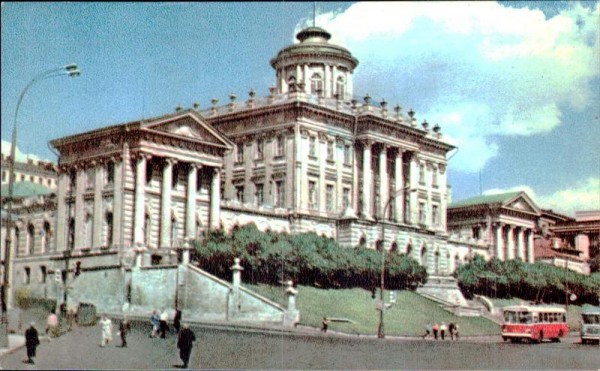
(160,323)
(441,329)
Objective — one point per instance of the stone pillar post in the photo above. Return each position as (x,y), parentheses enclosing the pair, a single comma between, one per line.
(530,247)
(190,212)
(140,200)
(367,181)
(292,314)
(384,183)
(399,189)
(61,208)
(165,204)
(97,220)
(510,249)
(234,304)
(79,211)
(215,199)
(499,246)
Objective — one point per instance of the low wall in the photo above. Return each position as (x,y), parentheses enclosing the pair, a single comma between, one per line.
(104,288)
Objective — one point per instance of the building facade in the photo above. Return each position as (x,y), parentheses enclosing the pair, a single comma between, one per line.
(39,172)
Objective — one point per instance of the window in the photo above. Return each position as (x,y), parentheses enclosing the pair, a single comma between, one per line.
(89,178)
(108,220)
(72,181)
(312,149)
(435,215)
(49,182)
(434,179)
(239,193)
(279,145)
(259,193)
(260,149)
(476,232)
(43,274)
(27,275)
(31,178)
(30,239)
(329,197)
(329,150)
(422,174)
(174,176)
(340,86)
(110,172)
(280,193)
(316,84)
(199,179)
(22,177)
(17,236)
(240,152)
(312,195)
(46,234)
(422,214)
(346,200)
(347,155)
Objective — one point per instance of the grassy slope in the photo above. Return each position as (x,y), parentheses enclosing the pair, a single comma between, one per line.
(407,317)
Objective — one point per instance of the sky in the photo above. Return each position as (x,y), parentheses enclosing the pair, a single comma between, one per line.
(514,85)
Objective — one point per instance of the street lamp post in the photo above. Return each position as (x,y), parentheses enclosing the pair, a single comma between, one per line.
(70,70)
(381,327)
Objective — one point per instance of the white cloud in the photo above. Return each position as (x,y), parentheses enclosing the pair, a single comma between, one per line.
(583,195)
(479,69)
(19,156)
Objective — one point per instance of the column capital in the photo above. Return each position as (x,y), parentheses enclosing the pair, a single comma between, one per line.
(216,170)
(366,142)
(442,168)
(170,161)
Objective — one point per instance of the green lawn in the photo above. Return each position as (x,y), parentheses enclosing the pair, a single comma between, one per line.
(407,317)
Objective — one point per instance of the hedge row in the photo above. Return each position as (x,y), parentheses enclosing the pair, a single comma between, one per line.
(537,282)
(307,259)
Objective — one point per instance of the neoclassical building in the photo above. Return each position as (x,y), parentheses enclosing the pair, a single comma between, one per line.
(309,156)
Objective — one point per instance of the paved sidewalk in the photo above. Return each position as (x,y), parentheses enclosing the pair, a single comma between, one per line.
(15,341)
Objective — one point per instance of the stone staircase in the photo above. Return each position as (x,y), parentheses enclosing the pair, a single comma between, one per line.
(445,291)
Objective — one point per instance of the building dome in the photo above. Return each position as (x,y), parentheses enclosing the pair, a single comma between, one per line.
(314,59)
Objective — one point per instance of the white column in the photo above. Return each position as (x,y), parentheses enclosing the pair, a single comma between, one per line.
(521,245)
(79,208)
(98,184)
(499,246)
(530,247)
(384,183)
(414,184)
(510,249)
(355,183)
(61,208)
(190,213)
(398,192)
(165,204)
(298,74)
(367,183)
(140,200)
(215,199)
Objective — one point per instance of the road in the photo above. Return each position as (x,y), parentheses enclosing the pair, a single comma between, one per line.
(223,349)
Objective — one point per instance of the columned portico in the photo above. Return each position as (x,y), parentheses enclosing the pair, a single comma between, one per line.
(165,205)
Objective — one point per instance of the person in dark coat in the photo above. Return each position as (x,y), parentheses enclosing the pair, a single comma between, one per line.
(177,320)
(185,342)
(31,342)
(124,329)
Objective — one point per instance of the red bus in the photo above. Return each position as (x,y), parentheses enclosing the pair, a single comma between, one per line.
(534,323)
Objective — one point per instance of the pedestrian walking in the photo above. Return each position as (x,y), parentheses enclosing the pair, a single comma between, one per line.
(106,324)
(435,330)
(124,328)
(71,314)
(185,341)
(427,330)
(177,320)
(324,324)
(443,329)
(451,330)
(52,326)
(164,317)
(32,340)
(456,331)
(155,322)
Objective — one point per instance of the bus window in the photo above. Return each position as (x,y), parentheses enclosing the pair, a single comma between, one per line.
(535,318)
(524,317)
(551,317)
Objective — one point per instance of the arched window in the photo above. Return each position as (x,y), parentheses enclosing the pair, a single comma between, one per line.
(316,84)
(108,220)
(30,239)
(340,87)
(46,234)
(424,256)
(291,82)
(362,242)
(378,245)
(394,247)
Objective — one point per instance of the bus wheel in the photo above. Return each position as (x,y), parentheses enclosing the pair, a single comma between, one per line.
(504,338)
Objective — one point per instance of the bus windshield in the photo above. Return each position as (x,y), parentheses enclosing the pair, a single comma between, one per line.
(517,317)
(591,319)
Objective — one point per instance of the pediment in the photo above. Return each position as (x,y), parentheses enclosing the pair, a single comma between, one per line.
(189,126)
(522,203)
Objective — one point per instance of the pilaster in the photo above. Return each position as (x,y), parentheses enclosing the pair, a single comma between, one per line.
(399,188)
(79,207)
(190,210)
(384,184)
(140,200)
(165,205)
(98,184)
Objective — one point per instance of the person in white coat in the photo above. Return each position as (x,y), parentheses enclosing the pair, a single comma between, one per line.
(106,324)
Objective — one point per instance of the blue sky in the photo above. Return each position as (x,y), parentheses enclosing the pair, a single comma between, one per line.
(516,85)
